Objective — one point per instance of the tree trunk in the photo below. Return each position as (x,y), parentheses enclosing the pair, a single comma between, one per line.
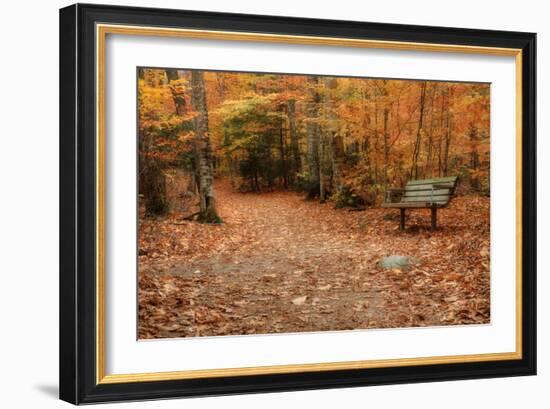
(386,148)
(313,138)
(152,182)
(337,155)
(282,150)
(220,82)
(322,177)
(294,146)
(428,170)
(440,139)
(376,141)
(179,104)
(418,141)
(474,160)
(366,136)
(207,212)
(177,96)
(448,134)
(332,138)
(322,166)
(171,74)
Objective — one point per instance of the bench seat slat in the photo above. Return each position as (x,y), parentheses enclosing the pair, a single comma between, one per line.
(413,205)
(426,199)
(426,196)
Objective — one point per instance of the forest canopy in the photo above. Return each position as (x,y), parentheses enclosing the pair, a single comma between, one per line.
(334,138)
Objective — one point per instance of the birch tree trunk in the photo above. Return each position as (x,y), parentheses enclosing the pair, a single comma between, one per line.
(207,213)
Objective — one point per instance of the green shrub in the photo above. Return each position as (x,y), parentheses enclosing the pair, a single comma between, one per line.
(346,197)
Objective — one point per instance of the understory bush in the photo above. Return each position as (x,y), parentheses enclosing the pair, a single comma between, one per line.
(346,197)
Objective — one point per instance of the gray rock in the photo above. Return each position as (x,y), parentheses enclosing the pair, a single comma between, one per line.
(396,261)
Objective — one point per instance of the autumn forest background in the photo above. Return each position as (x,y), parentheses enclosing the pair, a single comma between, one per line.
(260,203)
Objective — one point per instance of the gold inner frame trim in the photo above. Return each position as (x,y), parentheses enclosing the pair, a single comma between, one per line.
(101,33)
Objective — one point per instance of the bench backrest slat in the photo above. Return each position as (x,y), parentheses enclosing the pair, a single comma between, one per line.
(448,179)
(429,188)
(435,191)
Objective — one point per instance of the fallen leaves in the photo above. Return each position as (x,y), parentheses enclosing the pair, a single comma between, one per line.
(280,263)
(299,300)
(484,252)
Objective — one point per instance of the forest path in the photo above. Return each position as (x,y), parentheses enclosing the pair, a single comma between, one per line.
(280,263)
(283,228)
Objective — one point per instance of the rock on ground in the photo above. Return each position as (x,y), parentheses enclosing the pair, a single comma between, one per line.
(397,261)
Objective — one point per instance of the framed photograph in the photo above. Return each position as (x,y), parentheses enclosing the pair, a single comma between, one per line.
(258,203)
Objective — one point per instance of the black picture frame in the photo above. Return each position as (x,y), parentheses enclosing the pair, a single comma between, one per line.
(78,360)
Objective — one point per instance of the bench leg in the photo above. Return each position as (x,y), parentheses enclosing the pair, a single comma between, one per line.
(402,219)
(434,218)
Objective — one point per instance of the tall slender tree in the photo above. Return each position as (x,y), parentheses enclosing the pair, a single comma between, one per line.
(386,147)
(428,170)
(419,131)
(207,213)
(283,150)
(294,143)
(313,136)
(331,132)
(448,134)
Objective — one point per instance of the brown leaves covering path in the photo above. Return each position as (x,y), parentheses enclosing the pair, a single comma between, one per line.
(280,263)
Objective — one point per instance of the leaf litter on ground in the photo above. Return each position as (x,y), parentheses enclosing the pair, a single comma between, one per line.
(280,263)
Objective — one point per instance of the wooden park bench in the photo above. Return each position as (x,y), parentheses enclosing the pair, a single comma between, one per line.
(421,194)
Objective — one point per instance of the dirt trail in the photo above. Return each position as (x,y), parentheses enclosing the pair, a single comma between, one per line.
(280,263)
(281,229)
